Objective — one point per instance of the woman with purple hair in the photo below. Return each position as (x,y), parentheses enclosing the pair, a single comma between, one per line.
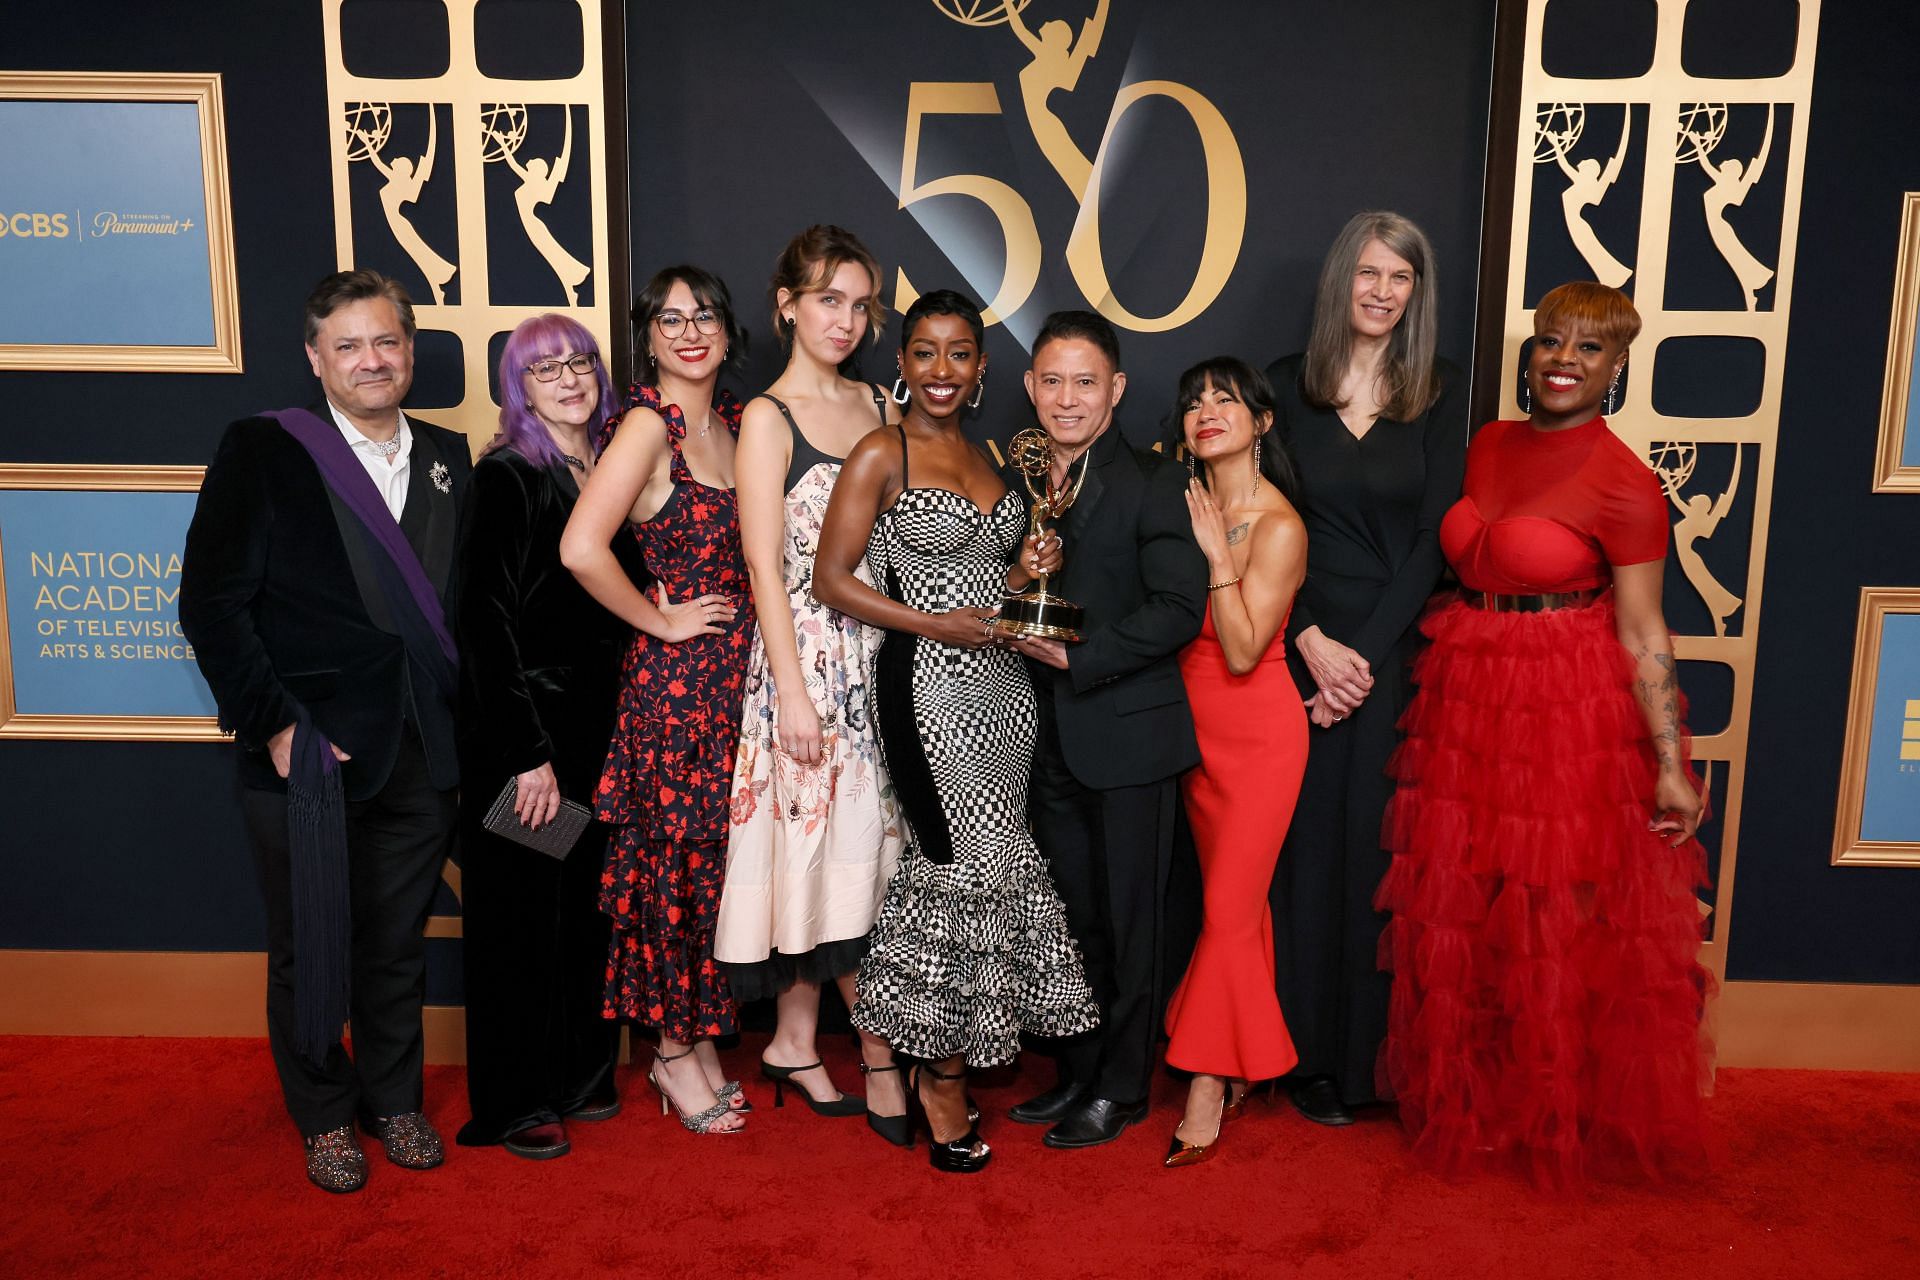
(540,671)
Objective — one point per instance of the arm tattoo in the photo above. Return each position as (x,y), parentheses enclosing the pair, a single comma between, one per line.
(1235,534)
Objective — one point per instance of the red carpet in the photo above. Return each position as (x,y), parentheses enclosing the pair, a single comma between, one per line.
(174,1158)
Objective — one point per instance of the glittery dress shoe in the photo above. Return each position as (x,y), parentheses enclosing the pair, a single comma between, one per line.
(1050,1107)
(1319,1101)
(541,1142)
(1094,1122)
(411,1142)
(335,1161)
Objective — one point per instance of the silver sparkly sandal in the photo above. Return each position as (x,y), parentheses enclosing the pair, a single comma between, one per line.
(699,1121)
(731,1090)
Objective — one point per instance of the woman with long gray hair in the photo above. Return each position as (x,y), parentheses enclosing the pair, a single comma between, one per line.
(1377,425)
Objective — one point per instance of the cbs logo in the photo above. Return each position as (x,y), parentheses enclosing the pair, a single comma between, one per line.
(34,226)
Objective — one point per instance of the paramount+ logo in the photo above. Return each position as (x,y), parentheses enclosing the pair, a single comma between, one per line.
(35,226)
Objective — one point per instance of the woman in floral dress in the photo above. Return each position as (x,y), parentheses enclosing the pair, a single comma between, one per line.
(668,476)
(816,830)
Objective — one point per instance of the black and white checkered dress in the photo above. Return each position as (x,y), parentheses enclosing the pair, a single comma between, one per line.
(971,947)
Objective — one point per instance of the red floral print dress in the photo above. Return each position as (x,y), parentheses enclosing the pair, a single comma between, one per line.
(670,765)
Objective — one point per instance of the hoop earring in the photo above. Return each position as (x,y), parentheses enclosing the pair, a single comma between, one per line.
(979,392)
(1613,394)
(1526,395)
(900,393)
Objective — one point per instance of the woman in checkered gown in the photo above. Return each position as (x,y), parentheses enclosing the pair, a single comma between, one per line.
(971,947)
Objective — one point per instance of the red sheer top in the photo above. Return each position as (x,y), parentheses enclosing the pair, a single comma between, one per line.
(1552,510)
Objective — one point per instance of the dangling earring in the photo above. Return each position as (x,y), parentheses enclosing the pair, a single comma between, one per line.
(979,392)
(900,393)
(1193,471)
(1256,468)
(1526,394)
(1613,394)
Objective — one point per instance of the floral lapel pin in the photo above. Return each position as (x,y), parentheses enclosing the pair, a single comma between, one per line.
(441,477)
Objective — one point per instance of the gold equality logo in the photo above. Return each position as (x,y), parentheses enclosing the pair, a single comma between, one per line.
(1058,56)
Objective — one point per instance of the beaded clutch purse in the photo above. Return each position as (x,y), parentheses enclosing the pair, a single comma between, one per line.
(555,839)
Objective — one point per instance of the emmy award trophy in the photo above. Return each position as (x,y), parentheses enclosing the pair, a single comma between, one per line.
(1039,612)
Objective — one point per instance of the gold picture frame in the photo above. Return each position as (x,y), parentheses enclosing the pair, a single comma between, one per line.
(1850,849)
(139,728)
(1893,472)
(202,90)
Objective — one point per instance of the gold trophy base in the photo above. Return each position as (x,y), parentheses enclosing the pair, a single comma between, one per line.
(1040,616)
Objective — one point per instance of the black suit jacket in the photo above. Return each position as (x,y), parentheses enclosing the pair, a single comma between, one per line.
(1129,559)
(272,602)
(539,657)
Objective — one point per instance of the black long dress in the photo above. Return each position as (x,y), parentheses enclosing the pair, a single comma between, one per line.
(1372,507)
(539,677)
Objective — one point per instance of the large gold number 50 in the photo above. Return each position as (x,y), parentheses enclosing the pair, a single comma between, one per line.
(927,98)
(1226,212)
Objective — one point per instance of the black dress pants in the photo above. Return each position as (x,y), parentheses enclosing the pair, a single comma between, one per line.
(1326,932)
(535,950)
(396,843)
(1110,851)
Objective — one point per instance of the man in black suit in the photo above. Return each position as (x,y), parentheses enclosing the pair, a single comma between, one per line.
(1115,730)
(316,571)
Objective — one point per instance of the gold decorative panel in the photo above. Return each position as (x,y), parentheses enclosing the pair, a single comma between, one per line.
(504,155)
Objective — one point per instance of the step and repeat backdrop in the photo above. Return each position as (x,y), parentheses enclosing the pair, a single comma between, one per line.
(1180,169)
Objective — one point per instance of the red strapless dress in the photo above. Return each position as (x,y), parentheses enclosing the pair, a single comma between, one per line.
(1225,1018)
(1547,999)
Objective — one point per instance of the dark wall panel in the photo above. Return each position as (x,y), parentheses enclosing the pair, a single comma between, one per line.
(1795,916)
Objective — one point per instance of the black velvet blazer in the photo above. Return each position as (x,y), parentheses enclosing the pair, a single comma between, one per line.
(271,600)
(540,659)
(1131,562)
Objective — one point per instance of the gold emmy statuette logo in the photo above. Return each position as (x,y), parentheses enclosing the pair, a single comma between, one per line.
(1673,461)
(369,127)
(1059,55)
(1702,126)
(505,128)
(1556,131)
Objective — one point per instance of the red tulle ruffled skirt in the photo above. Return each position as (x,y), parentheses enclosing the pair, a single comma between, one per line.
(1547,997)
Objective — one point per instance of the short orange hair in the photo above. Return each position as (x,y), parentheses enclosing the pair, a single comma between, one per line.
(1591,305)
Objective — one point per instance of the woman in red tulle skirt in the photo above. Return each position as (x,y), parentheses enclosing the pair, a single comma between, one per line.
(1546,994)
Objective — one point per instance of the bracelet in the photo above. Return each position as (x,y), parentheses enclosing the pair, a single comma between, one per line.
(1222,586)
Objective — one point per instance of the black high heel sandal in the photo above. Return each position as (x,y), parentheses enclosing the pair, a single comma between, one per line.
(895,1129)
(965,1154)
(783,1077)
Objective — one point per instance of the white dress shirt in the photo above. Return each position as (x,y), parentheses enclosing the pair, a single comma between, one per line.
(389,474)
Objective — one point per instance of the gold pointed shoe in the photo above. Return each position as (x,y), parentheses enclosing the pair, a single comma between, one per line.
(1181,1154)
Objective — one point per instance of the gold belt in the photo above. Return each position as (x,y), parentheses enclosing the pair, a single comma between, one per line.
(1496,603)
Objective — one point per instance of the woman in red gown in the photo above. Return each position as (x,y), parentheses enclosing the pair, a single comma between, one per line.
(1546,996)
(1224,1022)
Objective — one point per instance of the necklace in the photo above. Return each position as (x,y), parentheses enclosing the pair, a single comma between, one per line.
(573,462)
(706,423)
(386,448)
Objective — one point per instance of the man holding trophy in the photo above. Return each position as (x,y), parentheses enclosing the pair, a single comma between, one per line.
(1102,633)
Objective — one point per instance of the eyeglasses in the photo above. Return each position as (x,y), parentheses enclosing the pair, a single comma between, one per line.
(549,370)
(670,323)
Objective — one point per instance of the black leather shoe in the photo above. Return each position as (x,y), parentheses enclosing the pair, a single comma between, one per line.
(1050,1107)
(1095,1122)
(1319,1101)
(541,1142)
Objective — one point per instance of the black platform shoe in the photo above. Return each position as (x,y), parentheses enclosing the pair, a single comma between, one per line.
(965,1154)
